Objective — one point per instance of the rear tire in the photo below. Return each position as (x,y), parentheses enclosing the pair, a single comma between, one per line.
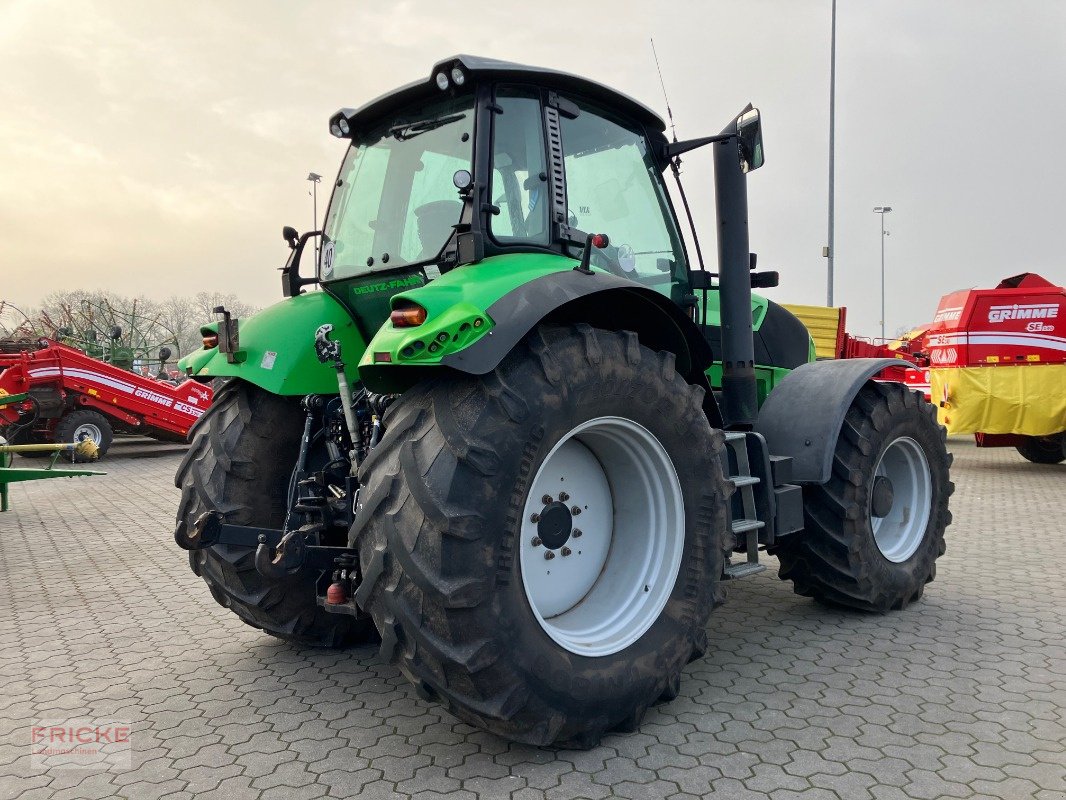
(84,422)
(853,553)
(1044,449)
(243,451)
(446,540)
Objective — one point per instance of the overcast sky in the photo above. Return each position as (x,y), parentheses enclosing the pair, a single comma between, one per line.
(158,148)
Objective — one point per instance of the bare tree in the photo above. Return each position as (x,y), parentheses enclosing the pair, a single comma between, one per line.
(207,302)
(103,322)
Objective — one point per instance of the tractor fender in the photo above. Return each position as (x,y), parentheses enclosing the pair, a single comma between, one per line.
(276,348)
(478,313)
(804,414)
(601,300)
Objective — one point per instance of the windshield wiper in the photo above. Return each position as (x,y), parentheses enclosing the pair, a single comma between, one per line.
(409,130)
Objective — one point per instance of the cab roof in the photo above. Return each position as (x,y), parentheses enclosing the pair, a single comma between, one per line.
(490,69)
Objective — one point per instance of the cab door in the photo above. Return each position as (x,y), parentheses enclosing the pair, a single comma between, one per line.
(614,186)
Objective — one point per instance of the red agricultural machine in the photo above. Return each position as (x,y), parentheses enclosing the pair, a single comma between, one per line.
(827,327)
(73,396)
(998,366)
(992,360)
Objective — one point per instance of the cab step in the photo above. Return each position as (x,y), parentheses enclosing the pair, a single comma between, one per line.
(743,570)
(745,525)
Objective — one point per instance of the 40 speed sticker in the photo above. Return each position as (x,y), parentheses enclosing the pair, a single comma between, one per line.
(327,260)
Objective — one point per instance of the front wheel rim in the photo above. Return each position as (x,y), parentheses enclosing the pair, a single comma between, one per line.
(598,579)
(900,531)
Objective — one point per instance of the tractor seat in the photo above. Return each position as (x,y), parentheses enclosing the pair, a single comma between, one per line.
(435,222)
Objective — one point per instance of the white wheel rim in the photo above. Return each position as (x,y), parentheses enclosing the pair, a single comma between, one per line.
(90,430)
(621,568)
(899,532)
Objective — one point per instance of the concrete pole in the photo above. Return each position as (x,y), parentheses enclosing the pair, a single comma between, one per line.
(830,254)
(882,210)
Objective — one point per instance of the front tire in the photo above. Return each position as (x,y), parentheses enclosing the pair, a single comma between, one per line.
(455,581)
(243,452)
(874,531)
(1044,449)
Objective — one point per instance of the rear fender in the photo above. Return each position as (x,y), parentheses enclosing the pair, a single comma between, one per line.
(277,348)
(804,414)
(478,313)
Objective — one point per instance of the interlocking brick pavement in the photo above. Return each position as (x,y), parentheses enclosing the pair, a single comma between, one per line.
(960,696)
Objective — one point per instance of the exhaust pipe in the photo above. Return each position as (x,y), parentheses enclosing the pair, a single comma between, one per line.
(740,407)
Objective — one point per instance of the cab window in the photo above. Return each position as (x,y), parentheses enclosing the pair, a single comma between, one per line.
(519,177)
(614,187)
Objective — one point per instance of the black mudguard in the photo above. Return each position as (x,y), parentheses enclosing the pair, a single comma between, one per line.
(803,415)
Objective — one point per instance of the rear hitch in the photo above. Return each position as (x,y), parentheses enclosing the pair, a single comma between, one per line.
(277,554)
(340,587)
(204,533)
(210,529)
(285,559)
(295,551)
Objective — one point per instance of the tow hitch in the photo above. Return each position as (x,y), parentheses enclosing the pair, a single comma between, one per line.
(277,554)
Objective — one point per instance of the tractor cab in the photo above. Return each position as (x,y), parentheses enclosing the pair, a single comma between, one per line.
(487,158)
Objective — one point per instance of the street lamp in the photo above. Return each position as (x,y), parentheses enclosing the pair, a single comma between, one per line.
(828,251)
(882,210)
(314,178)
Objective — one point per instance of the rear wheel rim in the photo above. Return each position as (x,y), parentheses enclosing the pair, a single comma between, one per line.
(88,429)
(899,532)
(613,565)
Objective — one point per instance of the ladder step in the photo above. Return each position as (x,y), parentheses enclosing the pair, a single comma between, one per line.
(743,569)
(744,480)
(745,525)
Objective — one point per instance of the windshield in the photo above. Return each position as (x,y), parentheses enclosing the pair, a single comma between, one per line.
(395,203)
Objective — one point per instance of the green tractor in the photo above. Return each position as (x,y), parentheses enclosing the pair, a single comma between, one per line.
(520,435)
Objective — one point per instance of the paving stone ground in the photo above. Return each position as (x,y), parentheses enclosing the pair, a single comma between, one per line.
(960,696)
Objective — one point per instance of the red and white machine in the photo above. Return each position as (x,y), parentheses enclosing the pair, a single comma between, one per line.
(998,365)
(74,396)
(992,360)
(1020,322)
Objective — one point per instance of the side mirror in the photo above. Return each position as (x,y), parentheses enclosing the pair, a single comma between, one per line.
(290,235)
(749,136)
(116,333)
(164,354)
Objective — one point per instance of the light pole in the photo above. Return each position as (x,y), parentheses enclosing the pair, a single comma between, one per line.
(882,210)
(829,254)
(314,178)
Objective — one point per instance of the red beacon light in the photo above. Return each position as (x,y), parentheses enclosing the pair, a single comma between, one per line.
(593,240)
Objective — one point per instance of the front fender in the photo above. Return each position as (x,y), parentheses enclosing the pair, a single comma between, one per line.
(190,363)
(277,348)
(804,414)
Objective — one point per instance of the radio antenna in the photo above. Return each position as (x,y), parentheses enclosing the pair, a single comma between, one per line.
(669,111)
(675,167)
